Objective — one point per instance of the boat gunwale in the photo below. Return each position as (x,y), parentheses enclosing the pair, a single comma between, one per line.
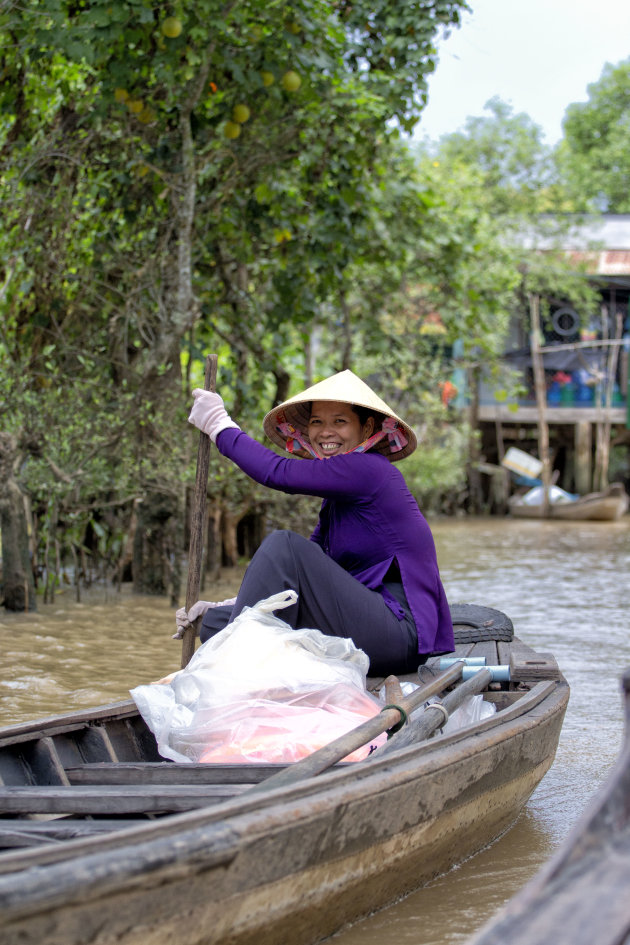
(52,725)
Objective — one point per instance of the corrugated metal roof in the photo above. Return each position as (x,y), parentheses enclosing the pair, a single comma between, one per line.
(601,242)
(609,262)
(614,262)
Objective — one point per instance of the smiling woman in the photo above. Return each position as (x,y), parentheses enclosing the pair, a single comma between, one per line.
(335,427)
(369,571)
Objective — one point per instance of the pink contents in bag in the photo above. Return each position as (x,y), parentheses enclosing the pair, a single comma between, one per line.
(282,731)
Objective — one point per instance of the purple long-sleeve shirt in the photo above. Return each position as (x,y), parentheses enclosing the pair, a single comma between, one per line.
(368,520)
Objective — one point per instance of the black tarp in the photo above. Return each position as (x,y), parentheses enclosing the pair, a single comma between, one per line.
(563,360)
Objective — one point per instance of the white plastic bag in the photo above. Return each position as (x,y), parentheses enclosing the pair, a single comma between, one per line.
(557,496)
(260,691)
(473,709)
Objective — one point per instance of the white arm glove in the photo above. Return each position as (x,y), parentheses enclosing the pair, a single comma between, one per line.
(184,618)
(209,415)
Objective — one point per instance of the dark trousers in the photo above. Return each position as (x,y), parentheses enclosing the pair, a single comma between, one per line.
(329,599)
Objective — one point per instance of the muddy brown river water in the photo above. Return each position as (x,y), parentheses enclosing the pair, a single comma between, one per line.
(565,586)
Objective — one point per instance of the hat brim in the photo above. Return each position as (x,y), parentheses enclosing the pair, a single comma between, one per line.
(346,388)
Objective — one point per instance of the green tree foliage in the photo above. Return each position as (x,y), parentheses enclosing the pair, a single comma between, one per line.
(507,172)
(192,202)
(175,178)
(595,151)
(507,150)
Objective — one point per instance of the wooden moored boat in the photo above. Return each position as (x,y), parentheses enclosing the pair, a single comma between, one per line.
(581,895)
(608,506)
(105,842)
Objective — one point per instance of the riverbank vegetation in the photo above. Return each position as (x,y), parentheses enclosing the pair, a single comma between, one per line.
(237,178)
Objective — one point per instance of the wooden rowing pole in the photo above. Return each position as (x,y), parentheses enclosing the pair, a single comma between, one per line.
(198,521)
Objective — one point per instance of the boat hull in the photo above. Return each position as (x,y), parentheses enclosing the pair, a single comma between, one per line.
(580,895)
(296,863)
(600,508)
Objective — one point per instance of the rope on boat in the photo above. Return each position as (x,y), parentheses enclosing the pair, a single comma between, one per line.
(402,721)
(442,708)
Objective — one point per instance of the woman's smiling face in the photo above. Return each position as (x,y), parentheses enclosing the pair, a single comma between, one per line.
(334,428)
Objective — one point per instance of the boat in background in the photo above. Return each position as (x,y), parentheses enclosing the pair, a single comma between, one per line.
(104,841)
(580,896)
(608,506)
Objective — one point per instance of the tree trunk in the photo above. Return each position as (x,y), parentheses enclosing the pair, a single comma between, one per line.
(250,532)
(475,493)
(213,543)
(51,569)
(283,380)
(346,335)
(18,585)
(229,524)
(311,351)
(155,546)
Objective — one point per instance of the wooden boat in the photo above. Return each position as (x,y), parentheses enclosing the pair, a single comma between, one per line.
(103,841)
(581,895)
(606,506)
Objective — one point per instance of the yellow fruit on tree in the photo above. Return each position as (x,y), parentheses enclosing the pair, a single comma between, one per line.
(232,129)
(135,105)
(290,81)
(172,27)
(268,78)
(240,113)
(121,95)
(147,115)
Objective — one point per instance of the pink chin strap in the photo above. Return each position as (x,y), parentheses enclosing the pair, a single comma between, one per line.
(390,428)
(291,435)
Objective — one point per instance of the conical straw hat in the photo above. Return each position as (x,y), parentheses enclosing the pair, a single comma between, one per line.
(346,388)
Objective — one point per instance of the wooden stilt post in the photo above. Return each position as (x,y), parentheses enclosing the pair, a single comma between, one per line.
(583,457)
(541,400)
(604,428)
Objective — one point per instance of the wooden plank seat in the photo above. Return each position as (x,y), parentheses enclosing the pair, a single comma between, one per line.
(21,834)
(149,773)
(113,799)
